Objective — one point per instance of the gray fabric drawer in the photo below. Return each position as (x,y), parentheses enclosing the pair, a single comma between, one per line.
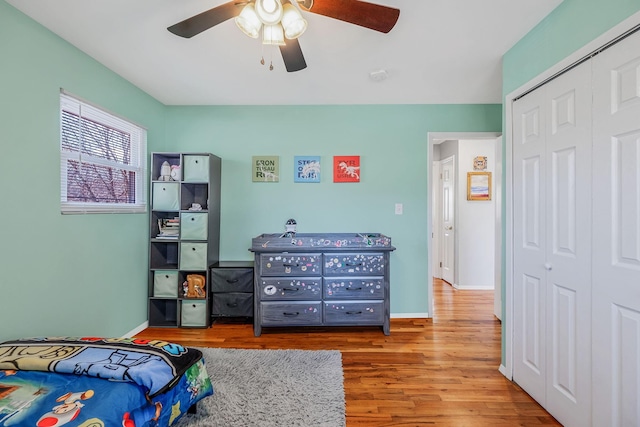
(193,226)
(196,168)
(232,280)
(290,264)
(232,304)
(353,313)
(193,256)
(300,288)
(165,196)
(353,287)
(354,264)
(303,313)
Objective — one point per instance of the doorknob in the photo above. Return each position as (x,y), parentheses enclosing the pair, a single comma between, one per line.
(547,266)
(449,227)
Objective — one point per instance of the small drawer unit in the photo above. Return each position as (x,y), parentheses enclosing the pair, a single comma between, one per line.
(321,280)
(231,289)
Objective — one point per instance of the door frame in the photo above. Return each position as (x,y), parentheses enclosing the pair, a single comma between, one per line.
(434,138)
(506,366)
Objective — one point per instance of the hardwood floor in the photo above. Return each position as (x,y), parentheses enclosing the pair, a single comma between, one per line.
(428,372)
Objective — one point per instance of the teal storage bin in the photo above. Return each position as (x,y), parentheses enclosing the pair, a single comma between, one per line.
(196,168)
(193,256)
(165,284)
(166,196)
(193,226)
(193,313)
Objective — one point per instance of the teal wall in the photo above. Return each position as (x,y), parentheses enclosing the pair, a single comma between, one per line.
(572,25)
(87,274)
(392,144)
(71,274)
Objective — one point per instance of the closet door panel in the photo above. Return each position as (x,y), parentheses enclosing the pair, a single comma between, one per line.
(616,261)
(529,161)
(568,249)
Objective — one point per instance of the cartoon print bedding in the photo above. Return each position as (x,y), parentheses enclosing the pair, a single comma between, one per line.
(95,382)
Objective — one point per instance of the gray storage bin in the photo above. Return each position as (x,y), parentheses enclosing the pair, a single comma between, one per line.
(193,313)
(195,168)
(193,256)
(166,196)
(193,226)
(165,283)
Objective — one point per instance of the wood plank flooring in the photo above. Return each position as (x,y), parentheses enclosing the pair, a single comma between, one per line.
(428,372)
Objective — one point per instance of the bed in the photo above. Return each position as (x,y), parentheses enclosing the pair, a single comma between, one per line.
(95,382)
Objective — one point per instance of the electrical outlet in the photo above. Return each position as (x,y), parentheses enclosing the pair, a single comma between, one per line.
(398,208)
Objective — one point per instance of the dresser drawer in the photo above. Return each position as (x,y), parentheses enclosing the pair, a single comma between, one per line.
(232,304)
(353,287)
(288,264)
(290,288)
(354,313)
(303,313)
(193,226)
(354,264)
(232,280)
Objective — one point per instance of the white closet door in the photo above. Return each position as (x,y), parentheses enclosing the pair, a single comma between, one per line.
(529,257)
(616,257)
(552,245)
(568,247)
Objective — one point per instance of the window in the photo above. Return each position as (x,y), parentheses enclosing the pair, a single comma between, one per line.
(102,160)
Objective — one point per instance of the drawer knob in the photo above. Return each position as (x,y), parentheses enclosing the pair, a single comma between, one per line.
(353,289)
(354,313)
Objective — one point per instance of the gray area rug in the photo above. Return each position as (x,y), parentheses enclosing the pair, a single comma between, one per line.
(272,388)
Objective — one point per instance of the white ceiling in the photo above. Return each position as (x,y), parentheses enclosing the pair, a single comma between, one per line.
(440,51)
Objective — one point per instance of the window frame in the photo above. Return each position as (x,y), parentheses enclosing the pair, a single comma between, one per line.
(137,164)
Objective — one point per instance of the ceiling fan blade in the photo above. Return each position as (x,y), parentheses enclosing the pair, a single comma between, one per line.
(373,16)
(205,20)
(292,55)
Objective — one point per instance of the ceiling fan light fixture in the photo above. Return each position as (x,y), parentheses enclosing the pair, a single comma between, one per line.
(248,21)
(273,35)
(269,11)
(293,22)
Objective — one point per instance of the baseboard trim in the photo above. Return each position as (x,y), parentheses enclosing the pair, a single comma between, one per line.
(135,331)
(409,316)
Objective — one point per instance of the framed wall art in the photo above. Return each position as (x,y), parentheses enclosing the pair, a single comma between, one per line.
(265,168)
(346,168)
(306,169)
(478,185)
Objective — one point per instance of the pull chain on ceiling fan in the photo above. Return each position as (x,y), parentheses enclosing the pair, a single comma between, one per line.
(278,19)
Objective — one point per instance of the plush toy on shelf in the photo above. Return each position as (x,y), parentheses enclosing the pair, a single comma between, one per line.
(194,286)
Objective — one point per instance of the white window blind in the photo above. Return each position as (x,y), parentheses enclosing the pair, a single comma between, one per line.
(102,160)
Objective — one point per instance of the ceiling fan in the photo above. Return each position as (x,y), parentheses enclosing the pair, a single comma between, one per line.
(273,15)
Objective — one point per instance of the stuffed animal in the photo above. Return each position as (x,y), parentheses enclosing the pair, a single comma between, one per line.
(194,286)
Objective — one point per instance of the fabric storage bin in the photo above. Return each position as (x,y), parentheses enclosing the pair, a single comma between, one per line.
(196,168)
(232,304)
(166,196)
(165,284)
(193,313)
(193,226)
(193,256)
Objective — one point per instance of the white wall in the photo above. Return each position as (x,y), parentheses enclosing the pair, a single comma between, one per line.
(476,221)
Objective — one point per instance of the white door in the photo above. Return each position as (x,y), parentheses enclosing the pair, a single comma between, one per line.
(552,245)
(447,220)
(616,256)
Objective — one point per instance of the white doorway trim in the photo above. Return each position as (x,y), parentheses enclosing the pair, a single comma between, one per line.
(433,139)
(506,368)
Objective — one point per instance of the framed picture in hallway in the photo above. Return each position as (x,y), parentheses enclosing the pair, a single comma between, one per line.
(478,185)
